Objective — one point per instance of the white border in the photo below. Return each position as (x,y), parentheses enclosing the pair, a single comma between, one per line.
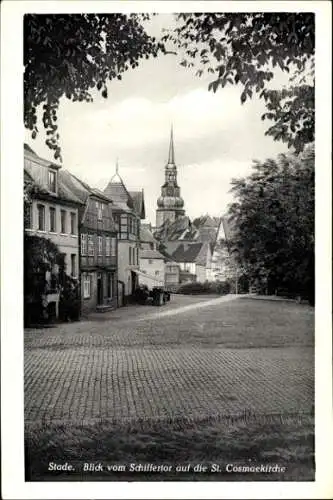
(12,138)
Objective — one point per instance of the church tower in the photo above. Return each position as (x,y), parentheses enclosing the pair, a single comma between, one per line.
(170,205)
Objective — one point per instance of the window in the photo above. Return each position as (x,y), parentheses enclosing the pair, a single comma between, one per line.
(150,261)
(73,264)
(28,215)
(99,207)
(113,247)
(130,255)
(107,246)
(100,245)
(41,217)
(123,227)
(73,223)
(157,273)
(84,242)
(116,219)
(52,181)
(52,220)
(63,215)
(86,285)
(137,256)
(91,250)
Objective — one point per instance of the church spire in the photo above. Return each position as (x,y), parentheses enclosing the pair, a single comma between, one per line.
(171,159)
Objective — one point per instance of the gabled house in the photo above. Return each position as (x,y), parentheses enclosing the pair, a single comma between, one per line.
(223,264)
(151,261)
(98,246)
(128,210)
(51,212)
(194,261)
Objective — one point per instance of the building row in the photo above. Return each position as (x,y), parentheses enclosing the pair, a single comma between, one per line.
(105,245)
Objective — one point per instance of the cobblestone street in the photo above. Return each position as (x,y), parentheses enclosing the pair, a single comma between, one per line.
(181,361)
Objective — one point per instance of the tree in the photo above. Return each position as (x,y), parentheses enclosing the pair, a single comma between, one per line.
(69,55)
(273,220)
(41,255)
(243,49)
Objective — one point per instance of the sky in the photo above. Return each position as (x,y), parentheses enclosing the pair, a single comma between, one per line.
(216,138)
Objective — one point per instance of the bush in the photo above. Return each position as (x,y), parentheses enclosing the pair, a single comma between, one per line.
(219,287)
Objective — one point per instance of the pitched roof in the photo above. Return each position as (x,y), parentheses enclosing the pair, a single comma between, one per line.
(28,148)
(117,192)
(64,193)
(30,154)
(206,221)
(173,231)
(151,254)
(171,246)
(75,187)
(188,253)
(138,203)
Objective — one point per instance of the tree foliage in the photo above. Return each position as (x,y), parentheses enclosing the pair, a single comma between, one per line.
(273,220)
(69,55)
(244,49)
(40,256)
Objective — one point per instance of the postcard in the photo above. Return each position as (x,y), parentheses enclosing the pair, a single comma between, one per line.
(166,237)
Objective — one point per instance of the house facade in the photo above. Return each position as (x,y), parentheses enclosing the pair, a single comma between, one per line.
(172,275)
(128,210)
(98,247)
(151,261)
(53,212)
(223,266)
(194,261)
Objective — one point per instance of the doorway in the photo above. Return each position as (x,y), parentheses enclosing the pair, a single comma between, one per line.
(134,282)
(99,289)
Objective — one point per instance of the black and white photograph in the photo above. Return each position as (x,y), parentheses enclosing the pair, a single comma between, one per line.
(169,246)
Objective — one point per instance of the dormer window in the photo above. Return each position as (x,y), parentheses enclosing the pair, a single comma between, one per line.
(99,207)
(52,181)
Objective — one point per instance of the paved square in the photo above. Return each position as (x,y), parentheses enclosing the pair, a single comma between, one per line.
(138,365)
